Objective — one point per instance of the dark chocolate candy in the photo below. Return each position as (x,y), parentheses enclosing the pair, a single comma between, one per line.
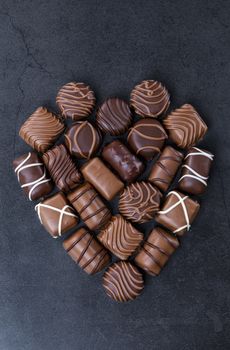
(102,178)
(164,170)
(149,98)
(178,212)
(126,164)
(90,206)
(86,251)
(61,168)
(156,251)
(123,282)
(82,140)
(114,116)
(32,176)
(147,137)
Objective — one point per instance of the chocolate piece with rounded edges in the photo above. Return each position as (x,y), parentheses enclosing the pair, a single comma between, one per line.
(82,140)
(86,251)
(126,164)
(32,176)
(156,251)
(105,182)
(147,137)
(90,206)
(164,170)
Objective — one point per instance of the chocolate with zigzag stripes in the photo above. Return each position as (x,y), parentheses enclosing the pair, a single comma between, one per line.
(86,251)
(195,171)
(156,251)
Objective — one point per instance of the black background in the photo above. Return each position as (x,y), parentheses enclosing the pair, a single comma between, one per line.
(46,301)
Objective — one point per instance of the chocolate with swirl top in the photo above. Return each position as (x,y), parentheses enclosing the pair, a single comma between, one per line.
(82,139)
(61,168)
(147,137)
(41,129)
(120,237)
(114,116)
(149,98)
(139,202)
(75,100)
(185,126)
(123,282)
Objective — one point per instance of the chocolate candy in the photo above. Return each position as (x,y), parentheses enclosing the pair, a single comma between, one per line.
(90,206)
(126,164)
(123,282)
(164,170)
(75,100)
(56,215)
(178,212)
(114,116)
(120,237)
(107,184)
(185,126)
(41,129)
(195,171)
(147,137)
(156,251)
(149,98)
(86,251)
(139,202)
(32,176)
(61,168)
(82,140)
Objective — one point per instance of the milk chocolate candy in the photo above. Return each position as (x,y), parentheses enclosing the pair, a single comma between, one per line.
(156,251)
(41,129)
(164,170)
(185,126)
(61,168)
(56,215)
(90,206)
(123,282)
(178,212)
(195,171)
(86,251)
(120,237)
(75,100)
(105,182)
(149,98)
(32,176)
(126,164)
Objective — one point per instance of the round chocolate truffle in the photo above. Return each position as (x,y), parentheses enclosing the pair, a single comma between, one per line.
(149,98)
(123,282)
(139,202)
(75,100)
(114,116)
(82,139)
(147,137)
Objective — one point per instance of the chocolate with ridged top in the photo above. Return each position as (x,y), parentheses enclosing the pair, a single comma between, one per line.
(82,139)
(149,98)
(86,251)
(61,168)
(156,251)
(90,206)
(75,100)
(114,116)
(126,164)
(41,129)
(123,282)
(146,138)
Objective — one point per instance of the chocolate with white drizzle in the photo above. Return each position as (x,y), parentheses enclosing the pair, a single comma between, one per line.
(195,171)
(32,176)
(178,212)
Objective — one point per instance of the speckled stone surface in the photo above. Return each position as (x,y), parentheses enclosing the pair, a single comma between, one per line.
(46,302)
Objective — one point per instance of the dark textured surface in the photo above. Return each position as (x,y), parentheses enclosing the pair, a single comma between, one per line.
(46,302)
